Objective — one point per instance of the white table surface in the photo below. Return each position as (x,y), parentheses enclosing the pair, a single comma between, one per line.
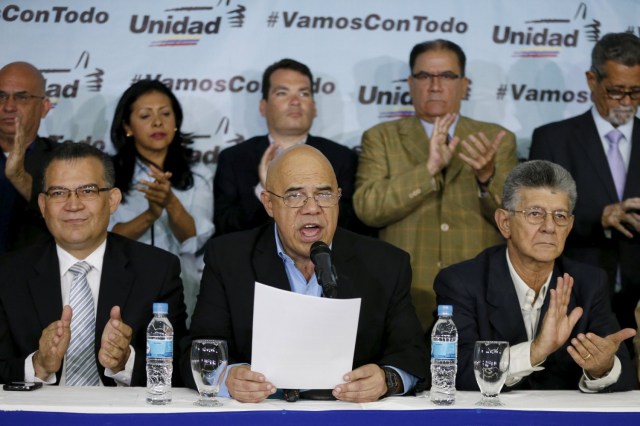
(132,400)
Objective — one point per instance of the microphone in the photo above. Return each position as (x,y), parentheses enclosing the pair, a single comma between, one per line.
(325,272)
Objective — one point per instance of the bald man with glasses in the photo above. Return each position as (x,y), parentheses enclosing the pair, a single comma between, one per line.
(23,104)
(302,196)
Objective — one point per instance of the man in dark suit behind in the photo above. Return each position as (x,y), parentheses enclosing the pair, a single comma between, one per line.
(23,104)
(37,302)
(606,232)
(553,311)
(301,194)
(289,108)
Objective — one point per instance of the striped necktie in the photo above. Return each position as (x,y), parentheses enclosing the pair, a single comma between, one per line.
(81,369)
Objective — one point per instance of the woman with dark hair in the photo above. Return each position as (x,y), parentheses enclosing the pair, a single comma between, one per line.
(165,203)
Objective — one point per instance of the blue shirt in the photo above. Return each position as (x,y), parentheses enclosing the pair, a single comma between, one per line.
(300,285)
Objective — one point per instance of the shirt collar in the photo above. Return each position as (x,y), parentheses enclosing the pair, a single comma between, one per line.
(303,140)
(279,247)
(95,259)
(522,289)
(605,127)
(428,127)
(284,256)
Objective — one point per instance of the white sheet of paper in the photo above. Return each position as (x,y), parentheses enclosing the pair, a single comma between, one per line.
(303,342)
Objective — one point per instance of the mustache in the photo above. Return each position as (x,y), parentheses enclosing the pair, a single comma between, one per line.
(623,109)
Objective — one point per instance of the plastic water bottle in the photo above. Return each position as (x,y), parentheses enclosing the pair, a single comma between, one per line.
(444,358)
(159,356)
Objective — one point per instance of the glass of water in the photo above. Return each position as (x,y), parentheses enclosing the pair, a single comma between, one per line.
(490,365)
(209,359)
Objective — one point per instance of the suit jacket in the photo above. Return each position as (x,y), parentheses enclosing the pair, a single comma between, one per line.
(439,222)
(486,307)
(636,340)
(134,276)
(388,330)
(236,206)
(575,145)
(21,223)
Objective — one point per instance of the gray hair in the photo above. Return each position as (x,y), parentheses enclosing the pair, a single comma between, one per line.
(538,174)
(622,48)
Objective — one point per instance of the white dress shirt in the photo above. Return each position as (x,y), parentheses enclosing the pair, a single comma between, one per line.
(520,364)
(66,260)
(605,127)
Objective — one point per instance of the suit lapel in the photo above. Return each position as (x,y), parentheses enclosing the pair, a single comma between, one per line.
(414,139)
(558,271)
(268,266)
(260,146)
(631,187)
(44,285)
(505,315)
(547,298)
(589,140)
(463,131)
(347,268)
(116,282)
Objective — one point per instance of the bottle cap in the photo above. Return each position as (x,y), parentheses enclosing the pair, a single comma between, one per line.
(160,308)
(445,310)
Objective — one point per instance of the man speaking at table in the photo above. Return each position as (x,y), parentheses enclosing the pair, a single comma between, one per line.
(74,310)
(302,196)
(554,312)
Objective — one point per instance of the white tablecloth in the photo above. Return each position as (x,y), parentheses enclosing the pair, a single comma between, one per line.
(132,400)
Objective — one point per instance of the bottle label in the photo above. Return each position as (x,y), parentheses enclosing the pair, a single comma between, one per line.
(159,348)
(444,350)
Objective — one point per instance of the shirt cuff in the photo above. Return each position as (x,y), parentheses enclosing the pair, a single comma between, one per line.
(123,378)
(30,373)
(520,363)
(408,380)
(223,391)
(595,385)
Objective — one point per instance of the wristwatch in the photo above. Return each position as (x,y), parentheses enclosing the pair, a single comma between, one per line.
(394,381)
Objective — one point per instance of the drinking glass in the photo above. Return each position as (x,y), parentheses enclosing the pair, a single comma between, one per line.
(490,365)
(209,358)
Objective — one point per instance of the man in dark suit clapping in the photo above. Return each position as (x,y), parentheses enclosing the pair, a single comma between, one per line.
(289,108)
(553,311)
(74,309)
(601,150)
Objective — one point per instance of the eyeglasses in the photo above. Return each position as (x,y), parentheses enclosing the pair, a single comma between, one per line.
(298,199)
(84,193)
(615,93)
(619,94)
(426,77)
(537,215)
(21,98)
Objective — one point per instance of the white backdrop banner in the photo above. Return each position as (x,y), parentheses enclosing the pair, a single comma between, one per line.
(526,59)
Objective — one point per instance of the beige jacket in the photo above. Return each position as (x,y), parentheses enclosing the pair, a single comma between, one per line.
(439,221)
